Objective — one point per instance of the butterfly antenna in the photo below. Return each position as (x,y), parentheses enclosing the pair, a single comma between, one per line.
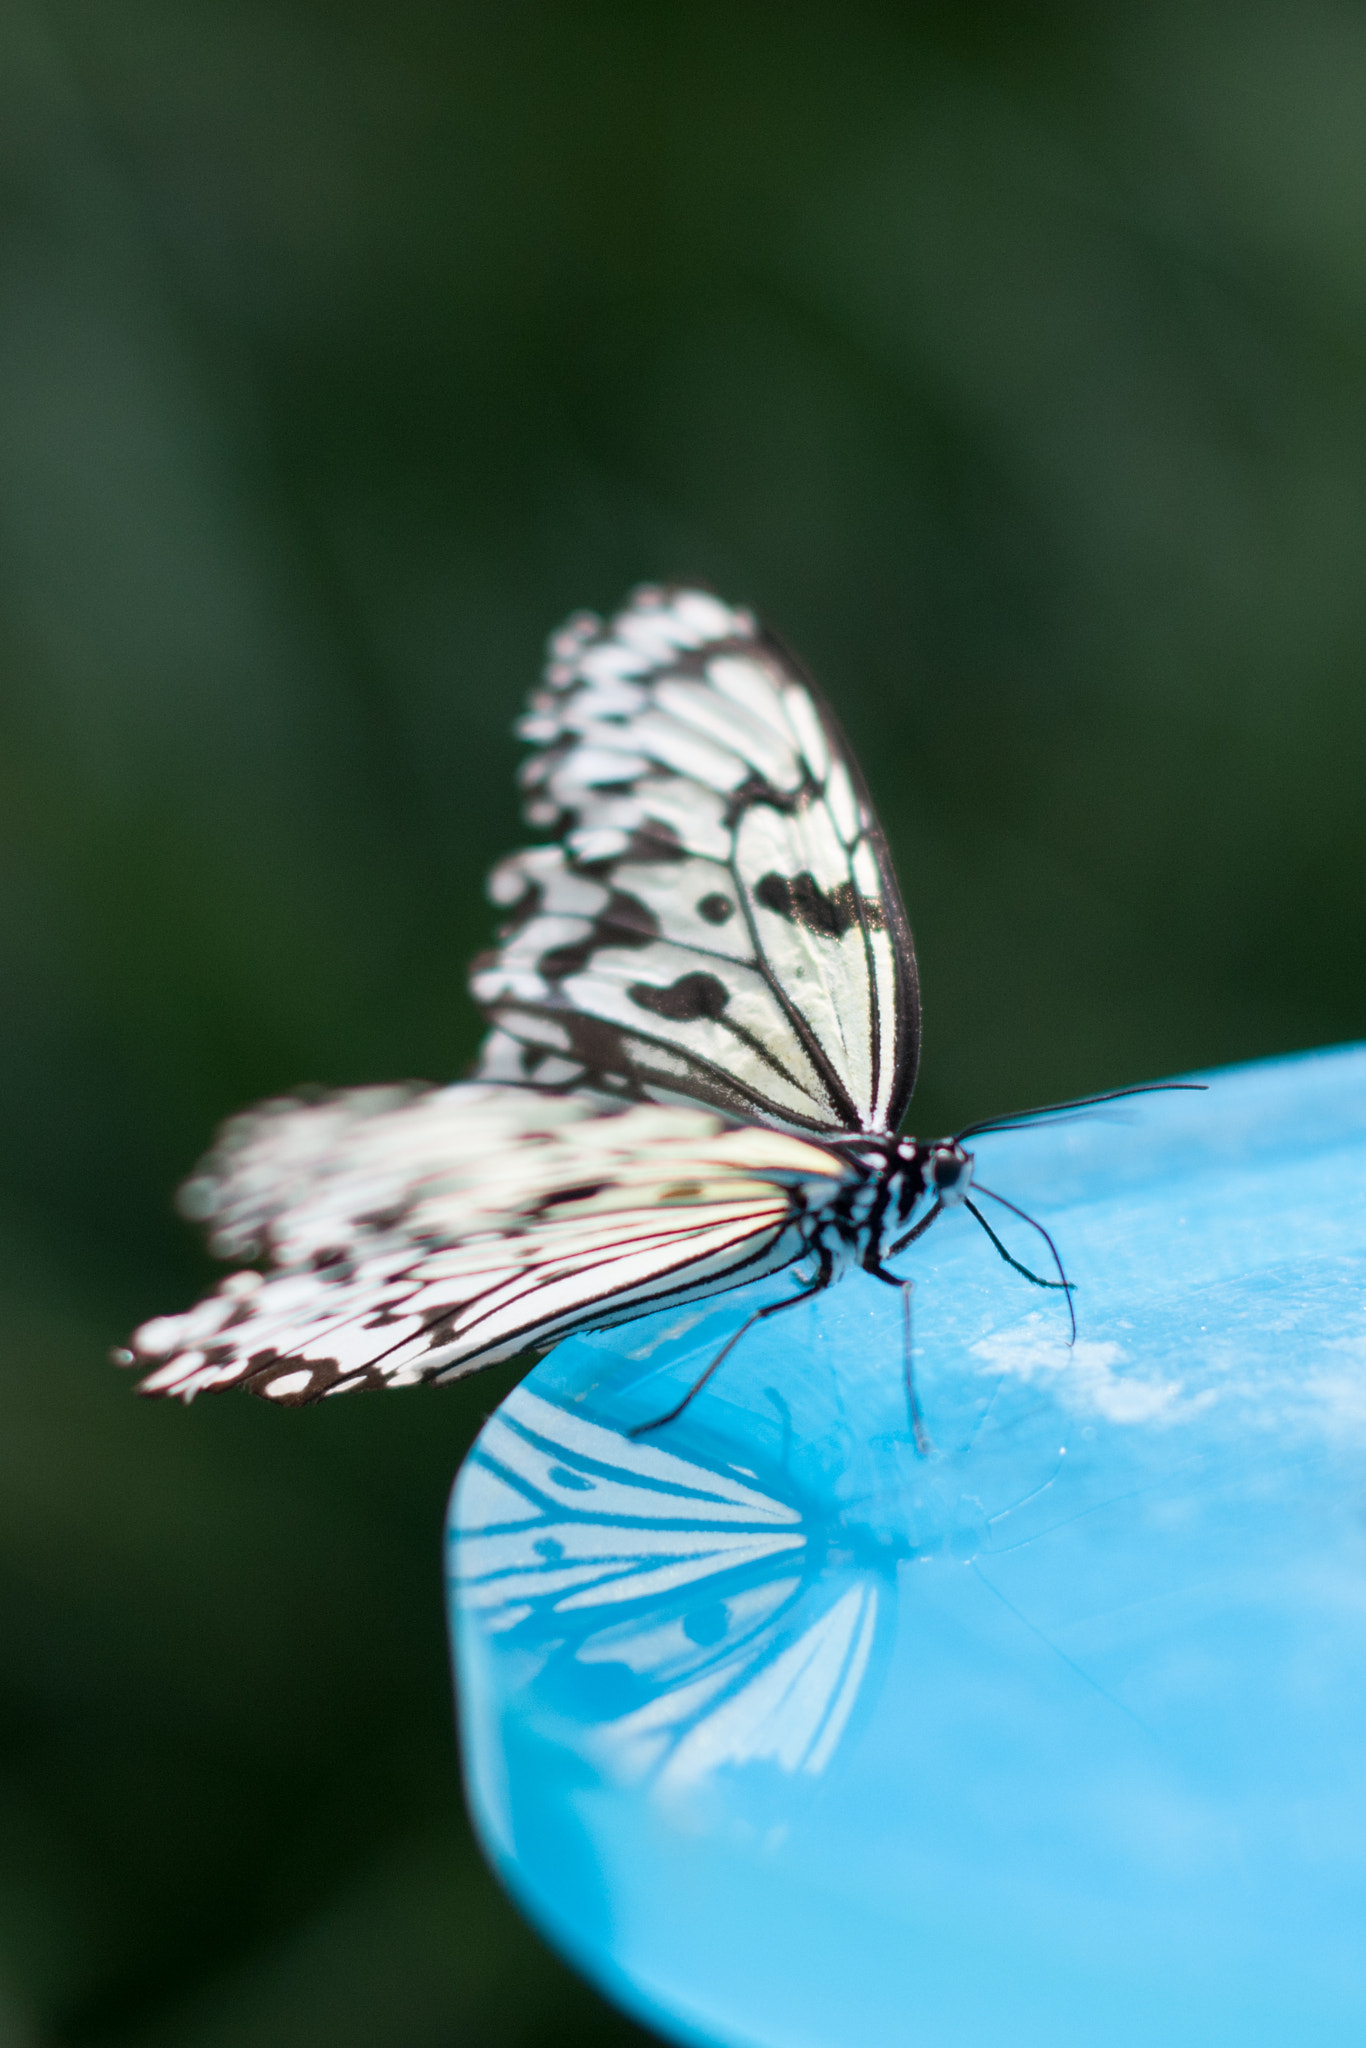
(1022,1119)
(1062,1280)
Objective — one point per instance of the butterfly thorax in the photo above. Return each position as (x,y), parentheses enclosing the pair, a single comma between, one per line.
(893,1187)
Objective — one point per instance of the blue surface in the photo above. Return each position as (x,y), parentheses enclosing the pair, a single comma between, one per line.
(787,1735)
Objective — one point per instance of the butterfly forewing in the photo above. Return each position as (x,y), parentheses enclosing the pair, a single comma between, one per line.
(422,1234)
(720,922)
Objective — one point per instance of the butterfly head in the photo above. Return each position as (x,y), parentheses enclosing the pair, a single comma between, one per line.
(948,1172)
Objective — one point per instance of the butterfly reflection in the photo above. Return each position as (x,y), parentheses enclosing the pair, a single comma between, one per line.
(682,1621)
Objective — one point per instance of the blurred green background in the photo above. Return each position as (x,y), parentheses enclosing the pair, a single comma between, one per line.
(1010,358)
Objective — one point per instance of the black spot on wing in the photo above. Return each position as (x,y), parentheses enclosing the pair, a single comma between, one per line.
(627,920)
(582,1193)
(623,921)
(265,1367)
(534,1057)
(561,961)
(756,790)
(652,840)
(715,908)
(684,1001)
(599,1045)
(387,1218)
(829,914)
(333,1265)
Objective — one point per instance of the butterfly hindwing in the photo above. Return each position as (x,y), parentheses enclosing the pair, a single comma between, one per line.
(720,922)
(417,1234)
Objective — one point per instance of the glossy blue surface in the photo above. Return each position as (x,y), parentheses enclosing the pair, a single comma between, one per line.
(787,1735)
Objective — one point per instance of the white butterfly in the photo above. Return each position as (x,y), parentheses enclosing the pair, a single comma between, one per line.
(705,1023)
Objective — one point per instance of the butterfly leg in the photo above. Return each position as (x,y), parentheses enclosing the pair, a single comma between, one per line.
(921,1227)
(773,1308)
(1062,1282)
(923,1441)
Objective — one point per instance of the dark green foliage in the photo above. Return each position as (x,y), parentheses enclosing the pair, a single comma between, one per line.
(1010,359)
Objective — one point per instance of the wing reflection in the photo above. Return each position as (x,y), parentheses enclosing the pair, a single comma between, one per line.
(675,1618)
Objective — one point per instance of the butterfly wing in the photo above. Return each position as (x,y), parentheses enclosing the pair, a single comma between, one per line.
(721,922)
(415,1234)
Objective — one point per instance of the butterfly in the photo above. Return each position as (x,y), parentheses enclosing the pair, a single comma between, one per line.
(704,1022)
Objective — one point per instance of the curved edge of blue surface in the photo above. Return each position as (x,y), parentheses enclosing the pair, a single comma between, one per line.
(789,1737)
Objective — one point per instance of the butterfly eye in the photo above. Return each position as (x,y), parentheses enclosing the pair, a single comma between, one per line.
(952,1171)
